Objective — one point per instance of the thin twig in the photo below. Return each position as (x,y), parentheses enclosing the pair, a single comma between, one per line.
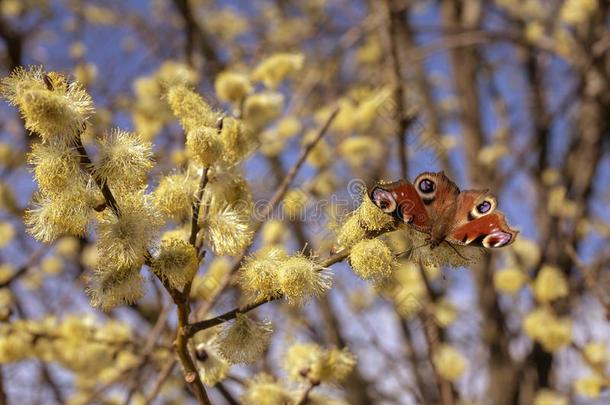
(36,256)
(197,206)
(163,375)
(224,391)
(87,166)
(305,398)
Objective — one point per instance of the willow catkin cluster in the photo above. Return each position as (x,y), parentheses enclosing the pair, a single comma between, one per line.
(175,194)
(57,111)
(270,273)
(124,160)
(176,262)
(50,106)
(372,259)
(228,231)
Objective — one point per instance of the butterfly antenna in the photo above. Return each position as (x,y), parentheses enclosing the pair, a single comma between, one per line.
(455,250)
(409,251)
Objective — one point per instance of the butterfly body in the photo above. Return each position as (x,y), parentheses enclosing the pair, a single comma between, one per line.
(434,205)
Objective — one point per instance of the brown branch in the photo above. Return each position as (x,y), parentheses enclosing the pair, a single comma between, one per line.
(197,206)
(191,375)
(395,17)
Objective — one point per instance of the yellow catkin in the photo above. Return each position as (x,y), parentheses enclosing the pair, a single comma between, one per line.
(350,232)
(232,86)
(273,70)
(371,217)
(176,262)
(301,278)
(245,340)
(372,259)
(190,108)
(204,145)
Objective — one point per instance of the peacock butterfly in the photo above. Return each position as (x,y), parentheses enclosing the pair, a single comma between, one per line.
(434,205)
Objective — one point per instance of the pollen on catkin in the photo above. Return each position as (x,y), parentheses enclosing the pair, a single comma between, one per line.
(190,108)
(442,255)
(175,194)
(110,287)
(350,232)
(245,340)
(550,284)
(228,231)
(232,86)
(372,259)
(300,278)
(237,140)
(47,219)
(125,159)
(552,332)
(123,242)
(49,105)
(176,262)
(204,145)
(371,217)
(226,186)
(263,389)
(56,167)
(259,275)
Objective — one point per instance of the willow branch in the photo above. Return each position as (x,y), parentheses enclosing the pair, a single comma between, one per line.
(227,316)
(197,206)
(402,121)
(87,166)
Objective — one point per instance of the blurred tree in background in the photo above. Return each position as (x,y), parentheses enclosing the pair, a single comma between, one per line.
(183,210)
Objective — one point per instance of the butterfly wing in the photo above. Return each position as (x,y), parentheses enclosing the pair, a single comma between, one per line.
(478,223)
(401,200)
(439,196)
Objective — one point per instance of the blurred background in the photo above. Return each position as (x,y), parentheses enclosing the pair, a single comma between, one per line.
(513,96)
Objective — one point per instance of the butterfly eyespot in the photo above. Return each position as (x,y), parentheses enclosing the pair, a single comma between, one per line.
(497,239)
(426,186)
(384,200)
(484,207)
